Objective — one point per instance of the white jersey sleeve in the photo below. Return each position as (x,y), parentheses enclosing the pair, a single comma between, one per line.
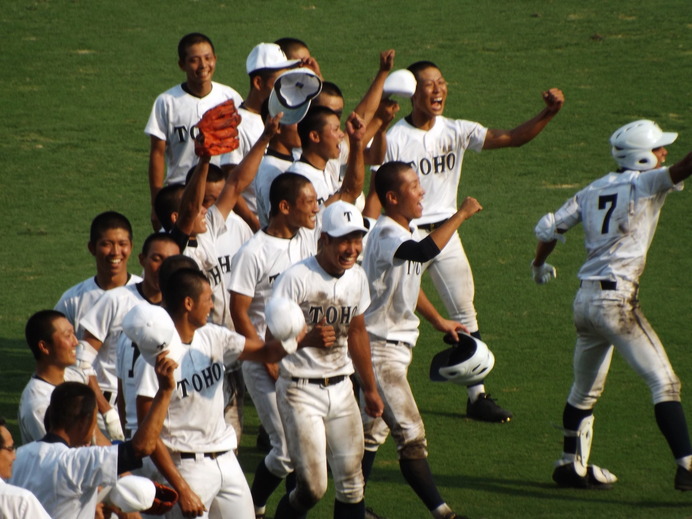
(19,503)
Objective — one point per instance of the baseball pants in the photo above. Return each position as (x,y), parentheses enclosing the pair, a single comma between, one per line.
(612,319)
(390,364)
(322,424)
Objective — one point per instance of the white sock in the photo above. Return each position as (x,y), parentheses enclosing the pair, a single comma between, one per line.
(441,511)
(685,462)
(475,391)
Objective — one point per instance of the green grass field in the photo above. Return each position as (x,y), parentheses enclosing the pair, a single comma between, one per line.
(78,81)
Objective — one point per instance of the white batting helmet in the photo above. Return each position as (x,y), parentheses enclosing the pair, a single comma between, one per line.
(467,362)
(632,144)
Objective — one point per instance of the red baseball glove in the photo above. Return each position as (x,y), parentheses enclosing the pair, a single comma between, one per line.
(217,131)
(165,498)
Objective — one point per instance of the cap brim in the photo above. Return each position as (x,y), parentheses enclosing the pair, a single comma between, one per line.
(343,231)
(440,360)
(666,139)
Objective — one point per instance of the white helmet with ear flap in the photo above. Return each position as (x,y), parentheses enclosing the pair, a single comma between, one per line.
(632,144)
(467,362)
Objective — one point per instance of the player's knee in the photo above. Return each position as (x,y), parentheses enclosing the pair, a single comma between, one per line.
(350,490)
(584,399)
(414,450)
(666,391)
(280,466)
(307,494)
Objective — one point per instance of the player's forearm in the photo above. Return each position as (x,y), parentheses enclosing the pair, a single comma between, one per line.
(426,309)
(681,170)
(543,250)
(354,178)
(367,106)
(239,316)
(374,154)
(359,350)
(242,175)
(163,461)
(147,435)
(193,196)
(157,170)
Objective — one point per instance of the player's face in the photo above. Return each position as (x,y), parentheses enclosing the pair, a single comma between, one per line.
(340,254)
(304,212)
(112,250)
(212,191)
(334,103)
(63,343)
(7,454)
(410,195)
(201,307)
(199,226)
(330,137)
(151,263)
(431,93)
(199,63)
(661,154)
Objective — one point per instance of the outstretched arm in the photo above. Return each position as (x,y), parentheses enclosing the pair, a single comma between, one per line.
(371,100)
(554,99)
(681,170)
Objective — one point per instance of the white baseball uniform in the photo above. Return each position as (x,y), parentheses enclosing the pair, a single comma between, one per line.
(104,321)
(35,400)
(436,155)
(77,300)
(200,441)
(393,329)
(66,481)
(314,392)
(272,165)
(19,503)
(249,132)
(255,268)
(172,118)
(318,178)
(619,213)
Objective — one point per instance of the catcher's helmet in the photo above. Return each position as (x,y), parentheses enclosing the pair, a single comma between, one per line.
(467,362)
(632,144)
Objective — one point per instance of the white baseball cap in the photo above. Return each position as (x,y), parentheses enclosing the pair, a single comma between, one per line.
(342,218)
(132,494)
(293,93)
(268,56)
(401,82)
(152,330)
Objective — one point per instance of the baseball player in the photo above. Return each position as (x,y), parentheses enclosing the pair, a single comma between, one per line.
(619,213)
(285,241)
(52,341)
(110,242)
(434,146)
(314,393)
(15,502)
(297,49)
(102,324)
(195,451)
(66,480)
(264,64)
(394,260)
(175,112)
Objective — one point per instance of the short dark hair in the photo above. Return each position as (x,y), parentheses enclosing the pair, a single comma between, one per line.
(167,202)
(192,39)
(314,120)
(331,89)
(184,282)
(172,264)
(290,45)
(105,222)
(286,186)
(419,66)
(214,174)
(39,328)
(70,403)
(387,178)
(157,237)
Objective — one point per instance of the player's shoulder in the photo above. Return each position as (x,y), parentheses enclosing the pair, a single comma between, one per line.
(76,291)
(227,92)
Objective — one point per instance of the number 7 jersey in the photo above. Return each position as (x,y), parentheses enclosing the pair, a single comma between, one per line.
(619,213)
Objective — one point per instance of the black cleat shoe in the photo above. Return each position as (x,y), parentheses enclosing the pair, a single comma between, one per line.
(485,409)
(596,478)
(370,514)
(683,479)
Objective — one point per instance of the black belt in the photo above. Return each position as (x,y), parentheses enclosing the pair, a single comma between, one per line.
(606,285)
(326,381)
(193,455)
(432,226)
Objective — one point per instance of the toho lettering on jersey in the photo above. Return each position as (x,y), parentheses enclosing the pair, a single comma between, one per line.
(437,165)
(334,315)
(202,381)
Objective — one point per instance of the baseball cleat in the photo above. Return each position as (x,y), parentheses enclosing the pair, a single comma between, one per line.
(683,479)
(596,478)
(485,409)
